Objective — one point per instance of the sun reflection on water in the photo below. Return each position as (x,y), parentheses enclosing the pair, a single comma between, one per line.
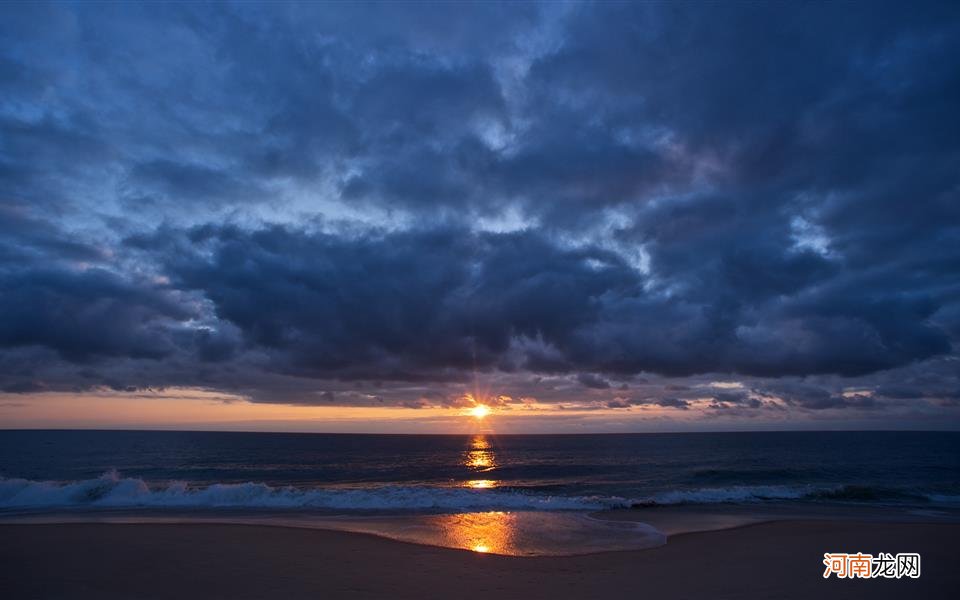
(520,533)
(481,484)
(488,532)
(479,457)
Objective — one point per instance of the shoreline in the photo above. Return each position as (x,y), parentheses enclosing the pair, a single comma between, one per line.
(150,560)
(415,527)
(324,526)
(670,520)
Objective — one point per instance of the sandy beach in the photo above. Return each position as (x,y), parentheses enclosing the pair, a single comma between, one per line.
(767,560)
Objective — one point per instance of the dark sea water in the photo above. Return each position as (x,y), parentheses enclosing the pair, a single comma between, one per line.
(59,470)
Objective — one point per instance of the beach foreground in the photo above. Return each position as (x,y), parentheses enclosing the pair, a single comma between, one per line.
(767,560)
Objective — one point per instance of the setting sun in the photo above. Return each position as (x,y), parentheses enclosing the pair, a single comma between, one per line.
(480,411)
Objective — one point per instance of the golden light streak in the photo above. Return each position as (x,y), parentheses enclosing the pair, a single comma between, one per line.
(479,457)
(482,484)
(479,532)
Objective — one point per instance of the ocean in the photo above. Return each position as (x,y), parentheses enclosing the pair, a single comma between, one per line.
(358,474)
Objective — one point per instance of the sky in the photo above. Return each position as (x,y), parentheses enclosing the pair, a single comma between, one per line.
(372,217)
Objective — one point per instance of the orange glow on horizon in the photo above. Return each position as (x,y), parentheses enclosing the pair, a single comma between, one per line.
(210,410)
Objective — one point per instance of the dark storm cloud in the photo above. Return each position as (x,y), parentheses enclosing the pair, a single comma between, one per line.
(672,403)
(420,303)
(735,400)
(592,380)
(667,402)
(23,387)
(272,198)
(813,397)
(394,305)
(86,314)
(185,181)
(25,238)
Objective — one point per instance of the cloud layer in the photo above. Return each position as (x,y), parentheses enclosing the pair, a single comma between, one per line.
(376,203)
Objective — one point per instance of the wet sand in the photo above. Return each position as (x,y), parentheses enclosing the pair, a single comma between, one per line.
(766,560)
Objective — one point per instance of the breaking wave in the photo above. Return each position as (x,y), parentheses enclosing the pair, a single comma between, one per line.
(764,493)
(720,495)
(110,490)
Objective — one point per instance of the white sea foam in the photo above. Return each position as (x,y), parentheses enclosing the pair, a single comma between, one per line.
(749,493)
(110,490)
(764,493)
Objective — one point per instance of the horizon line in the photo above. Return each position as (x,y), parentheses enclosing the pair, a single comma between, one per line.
(374,433)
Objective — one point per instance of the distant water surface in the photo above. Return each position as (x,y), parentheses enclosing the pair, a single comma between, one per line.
(345,473)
